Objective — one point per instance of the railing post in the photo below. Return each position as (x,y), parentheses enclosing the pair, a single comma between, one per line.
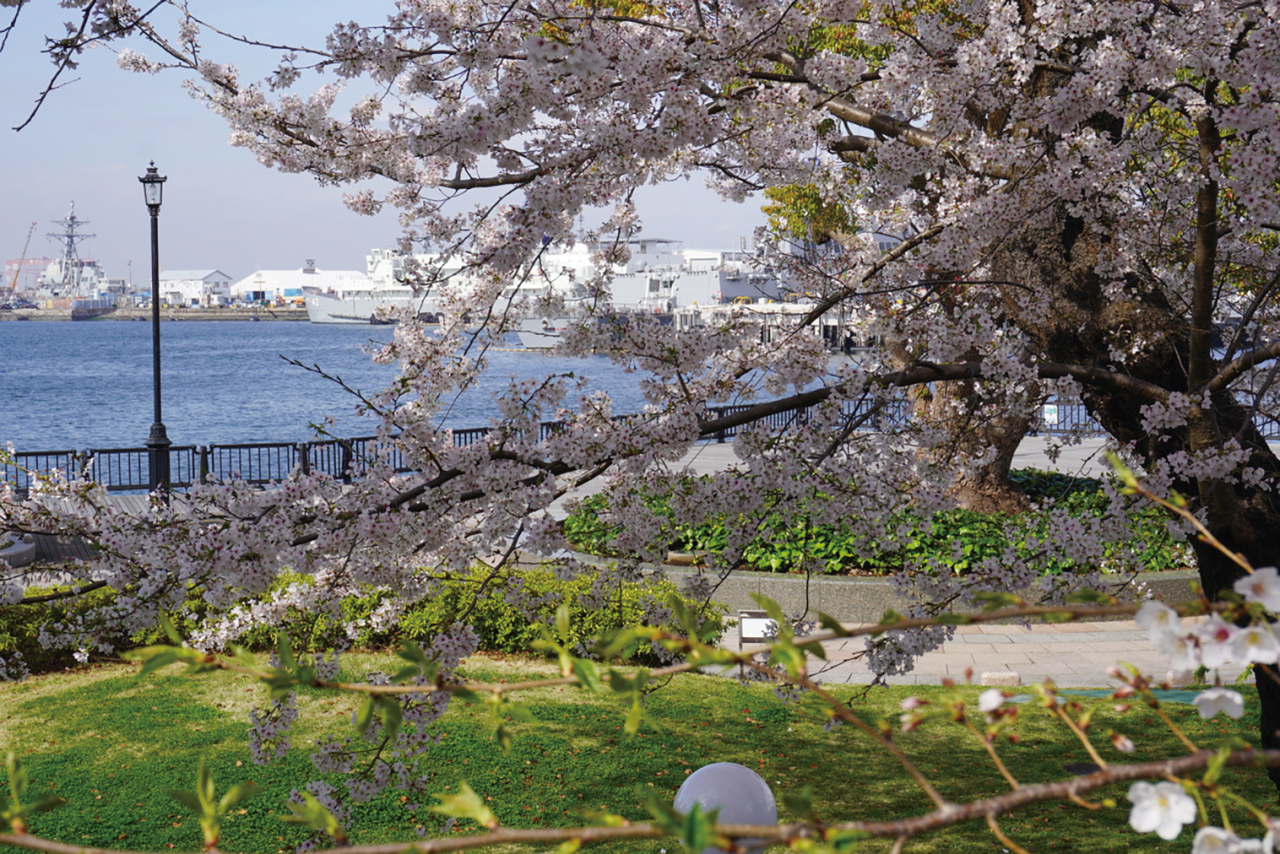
(346,460)
(203,451)
(304,458)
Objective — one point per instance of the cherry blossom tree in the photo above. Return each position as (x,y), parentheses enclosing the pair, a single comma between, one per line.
(1087,194)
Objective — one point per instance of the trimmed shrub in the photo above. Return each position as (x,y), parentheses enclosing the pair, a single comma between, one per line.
(507,611)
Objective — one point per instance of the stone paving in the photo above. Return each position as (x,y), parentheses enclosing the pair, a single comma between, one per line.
(1073,655)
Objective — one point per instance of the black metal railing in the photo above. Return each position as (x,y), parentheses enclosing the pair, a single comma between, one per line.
(262,463)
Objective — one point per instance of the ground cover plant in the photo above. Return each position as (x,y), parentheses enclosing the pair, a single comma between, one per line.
(953,541)
(120,741)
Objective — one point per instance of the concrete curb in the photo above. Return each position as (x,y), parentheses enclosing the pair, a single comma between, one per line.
(864,600)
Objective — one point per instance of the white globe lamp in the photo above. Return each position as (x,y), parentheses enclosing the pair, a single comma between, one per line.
(741,795)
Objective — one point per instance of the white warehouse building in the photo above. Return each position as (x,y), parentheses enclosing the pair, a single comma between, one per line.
(195,288)
(282,286)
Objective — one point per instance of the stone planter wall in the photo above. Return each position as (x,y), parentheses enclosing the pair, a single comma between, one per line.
(864,600)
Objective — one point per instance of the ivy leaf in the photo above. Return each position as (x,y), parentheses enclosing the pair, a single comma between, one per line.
(465,804)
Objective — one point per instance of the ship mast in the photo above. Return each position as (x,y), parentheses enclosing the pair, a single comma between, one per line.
(71,262)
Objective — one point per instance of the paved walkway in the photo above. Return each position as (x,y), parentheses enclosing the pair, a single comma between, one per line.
(1073,655)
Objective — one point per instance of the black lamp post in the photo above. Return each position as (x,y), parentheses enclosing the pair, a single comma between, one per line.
(158,441)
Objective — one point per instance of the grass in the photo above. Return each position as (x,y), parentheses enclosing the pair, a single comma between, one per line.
(113,744)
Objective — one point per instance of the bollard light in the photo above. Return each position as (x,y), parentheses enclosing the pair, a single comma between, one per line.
(741,794)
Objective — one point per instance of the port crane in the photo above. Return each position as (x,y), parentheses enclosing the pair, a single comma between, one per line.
(22,259)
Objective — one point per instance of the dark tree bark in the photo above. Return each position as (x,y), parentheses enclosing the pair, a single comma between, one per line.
(1084,327)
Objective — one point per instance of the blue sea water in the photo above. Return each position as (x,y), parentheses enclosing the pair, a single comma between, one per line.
(74,386)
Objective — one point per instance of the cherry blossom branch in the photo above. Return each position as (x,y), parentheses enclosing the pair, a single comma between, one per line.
(949,815)
(1234,369)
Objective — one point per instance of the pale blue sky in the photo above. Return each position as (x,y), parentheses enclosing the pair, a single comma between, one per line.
(96,135)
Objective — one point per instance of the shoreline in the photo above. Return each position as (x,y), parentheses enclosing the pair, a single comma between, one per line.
(167,313)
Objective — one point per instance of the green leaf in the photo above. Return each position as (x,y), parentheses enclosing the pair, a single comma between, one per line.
(996,600)
(845,840)
(1091,597)
(237,793)
(800,803)
(562,621)
(813,648)
(364,716)
(788,656)
(774,611)
(830,623)
(170,630)
(466,695)
(284,652)
(188,799)
(588,674)
(954,619)
(1216,765)
(569,846)
(152,657)
(1122,472)
(391,714)
(465,804)
(595,818)
(698,831)
(316,816)
(890,617)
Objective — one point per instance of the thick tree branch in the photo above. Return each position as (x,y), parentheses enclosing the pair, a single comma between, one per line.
(1232,371)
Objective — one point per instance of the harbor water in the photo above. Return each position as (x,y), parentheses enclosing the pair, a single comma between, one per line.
(76,386)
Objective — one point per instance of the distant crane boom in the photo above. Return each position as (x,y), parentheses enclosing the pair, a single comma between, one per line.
(22,259)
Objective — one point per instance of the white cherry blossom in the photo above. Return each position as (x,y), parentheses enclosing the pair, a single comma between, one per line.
(1162,808)
(1215,700)
(1262,586)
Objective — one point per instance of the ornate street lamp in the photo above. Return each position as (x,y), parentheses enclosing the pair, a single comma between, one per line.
(158,441)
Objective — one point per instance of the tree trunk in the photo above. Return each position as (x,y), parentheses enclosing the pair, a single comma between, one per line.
(1084,327)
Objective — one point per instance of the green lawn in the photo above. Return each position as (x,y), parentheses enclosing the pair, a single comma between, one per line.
(113,745)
